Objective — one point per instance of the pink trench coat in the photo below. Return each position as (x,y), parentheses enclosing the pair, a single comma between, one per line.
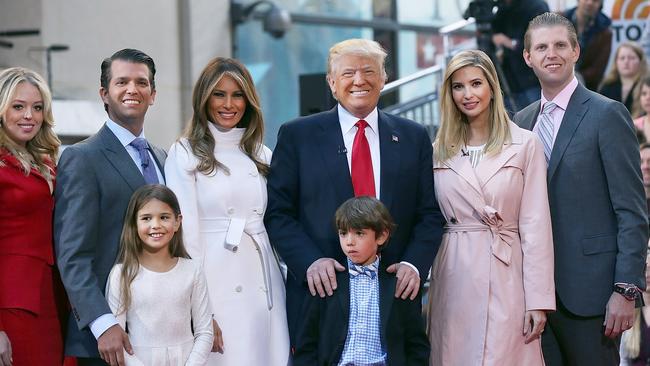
(496,258)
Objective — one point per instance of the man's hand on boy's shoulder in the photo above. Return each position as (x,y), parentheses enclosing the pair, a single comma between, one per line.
(408,281)
(321,276)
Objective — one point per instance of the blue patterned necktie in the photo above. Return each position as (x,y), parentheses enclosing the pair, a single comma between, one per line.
(546,128)
(148,166)
(369,270)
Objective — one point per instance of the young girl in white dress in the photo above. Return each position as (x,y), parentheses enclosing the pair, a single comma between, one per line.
(157,293)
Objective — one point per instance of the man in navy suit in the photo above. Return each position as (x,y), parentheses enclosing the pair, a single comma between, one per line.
(95,180)
(354,149)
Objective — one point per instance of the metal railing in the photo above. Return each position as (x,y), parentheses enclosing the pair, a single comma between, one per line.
(425,108)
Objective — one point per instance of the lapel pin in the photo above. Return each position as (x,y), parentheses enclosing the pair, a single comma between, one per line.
(395,138)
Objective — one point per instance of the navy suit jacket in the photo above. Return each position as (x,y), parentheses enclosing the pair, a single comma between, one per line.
(310,179)
(597,202)
(95,181)
(321,336)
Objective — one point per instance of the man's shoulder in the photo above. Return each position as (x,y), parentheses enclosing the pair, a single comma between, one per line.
(310,121)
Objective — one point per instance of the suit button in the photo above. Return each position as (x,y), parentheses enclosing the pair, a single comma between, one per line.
(231,210)
(239,289)
(453,220)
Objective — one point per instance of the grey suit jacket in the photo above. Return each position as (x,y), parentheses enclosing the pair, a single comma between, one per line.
(95,180)
(597,201)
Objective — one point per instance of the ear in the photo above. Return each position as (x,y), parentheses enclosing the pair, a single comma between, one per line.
(177,225)
(527,58)
(153,96)
(382,238)
(332,83)
(103,93)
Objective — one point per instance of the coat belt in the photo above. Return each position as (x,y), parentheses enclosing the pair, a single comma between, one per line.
(503,234)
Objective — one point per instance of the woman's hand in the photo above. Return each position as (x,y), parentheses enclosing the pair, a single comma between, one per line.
(5,350)
(217,344)
(534,322)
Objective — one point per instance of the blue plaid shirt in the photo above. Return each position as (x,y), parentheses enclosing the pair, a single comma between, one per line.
(363,343)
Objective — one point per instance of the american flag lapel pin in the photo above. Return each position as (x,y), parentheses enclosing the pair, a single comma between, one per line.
(395,138)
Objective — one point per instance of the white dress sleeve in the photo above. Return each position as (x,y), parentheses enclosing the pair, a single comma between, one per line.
(180,175)
(202,321)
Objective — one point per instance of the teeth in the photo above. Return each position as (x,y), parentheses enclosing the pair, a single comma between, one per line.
(360,92)
(156,235)
(227,114)
(131,102)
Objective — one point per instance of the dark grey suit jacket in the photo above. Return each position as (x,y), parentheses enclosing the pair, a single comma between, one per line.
(95,180)
(597,201)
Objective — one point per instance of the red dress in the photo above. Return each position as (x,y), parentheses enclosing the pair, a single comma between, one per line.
(31,299)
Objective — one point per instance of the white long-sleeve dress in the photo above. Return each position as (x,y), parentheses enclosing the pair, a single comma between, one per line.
(224,230)
(164,308)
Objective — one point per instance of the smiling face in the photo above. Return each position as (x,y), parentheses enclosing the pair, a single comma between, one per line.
(552,58)
(227,104)
(628,62)
(356,82)
(129,94)
(157,225)
(24,115)
(471,93)
(361,245)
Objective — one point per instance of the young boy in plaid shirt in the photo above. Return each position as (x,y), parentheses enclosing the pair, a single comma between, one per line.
(362,324)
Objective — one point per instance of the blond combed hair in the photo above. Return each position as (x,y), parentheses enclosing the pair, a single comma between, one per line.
(454,126)
(357,47)
(44,147)
(197,132)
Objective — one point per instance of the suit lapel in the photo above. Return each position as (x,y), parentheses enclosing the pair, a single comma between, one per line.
(573,116)
(387,285)
(120,159)
(528,122)
(343,293)
(332,148)
(159,155)
(490,164)
(390,154)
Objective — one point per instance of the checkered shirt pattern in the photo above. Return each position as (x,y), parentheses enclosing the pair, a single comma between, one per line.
(363,344)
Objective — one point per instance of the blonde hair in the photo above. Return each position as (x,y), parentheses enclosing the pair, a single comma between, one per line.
(614,75)
(197,132)
(130,243)
(453,132)
(358,47)
(44,147)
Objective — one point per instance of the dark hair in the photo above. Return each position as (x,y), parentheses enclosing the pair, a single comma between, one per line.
(130,242)
(130,55)
(364,212)
(550,19)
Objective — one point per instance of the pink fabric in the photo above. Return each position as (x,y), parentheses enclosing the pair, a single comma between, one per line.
(496,258)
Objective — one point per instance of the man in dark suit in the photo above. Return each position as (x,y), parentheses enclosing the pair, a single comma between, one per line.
(354,149)
(95,181)
(600,230)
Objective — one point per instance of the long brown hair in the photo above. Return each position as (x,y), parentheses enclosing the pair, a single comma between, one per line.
(131,244)
(45,145)
(614,75)
(197,132)
(454,125)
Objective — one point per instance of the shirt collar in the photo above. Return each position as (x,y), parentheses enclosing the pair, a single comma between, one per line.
(348,121)
(563,97)
(371,269)
(125,136)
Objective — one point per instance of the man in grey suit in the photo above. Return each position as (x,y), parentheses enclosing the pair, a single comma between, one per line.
(600,229)
(95,181)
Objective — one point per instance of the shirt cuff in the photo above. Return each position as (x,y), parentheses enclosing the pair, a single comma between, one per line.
(410,265)
(624,284)
(101,324)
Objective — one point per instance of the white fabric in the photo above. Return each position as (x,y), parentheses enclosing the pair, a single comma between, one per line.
(223,230)
(164,308)
(349,130)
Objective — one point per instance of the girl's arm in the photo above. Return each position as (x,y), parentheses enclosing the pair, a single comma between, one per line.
(114,295)
(201,319)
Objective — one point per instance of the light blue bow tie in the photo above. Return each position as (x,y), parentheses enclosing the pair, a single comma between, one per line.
(369,270)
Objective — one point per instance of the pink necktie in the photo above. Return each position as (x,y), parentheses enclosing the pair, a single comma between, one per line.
(363,179)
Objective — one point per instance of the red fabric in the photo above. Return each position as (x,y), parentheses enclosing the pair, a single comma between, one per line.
(363,178)
(36,339)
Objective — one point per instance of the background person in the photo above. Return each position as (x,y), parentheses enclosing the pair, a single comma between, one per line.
(218,171)
(492,280)
(31,297)
(642,123)
(623,79)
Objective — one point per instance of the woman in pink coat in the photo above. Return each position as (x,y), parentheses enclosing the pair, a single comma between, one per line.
(492,280)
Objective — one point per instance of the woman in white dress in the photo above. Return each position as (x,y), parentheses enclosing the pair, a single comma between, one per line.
(217,170)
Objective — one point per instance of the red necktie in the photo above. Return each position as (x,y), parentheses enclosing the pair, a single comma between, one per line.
(363,179)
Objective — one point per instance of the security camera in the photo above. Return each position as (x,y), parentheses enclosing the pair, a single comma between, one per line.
(277,21)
